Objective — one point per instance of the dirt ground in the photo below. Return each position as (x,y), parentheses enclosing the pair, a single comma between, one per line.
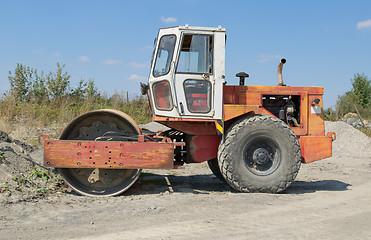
(330,199)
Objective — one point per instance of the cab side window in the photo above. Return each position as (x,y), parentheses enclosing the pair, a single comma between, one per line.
(196,54)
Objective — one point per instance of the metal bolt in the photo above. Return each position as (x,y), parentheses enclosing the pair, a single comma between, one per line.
(79,154)
(78,163)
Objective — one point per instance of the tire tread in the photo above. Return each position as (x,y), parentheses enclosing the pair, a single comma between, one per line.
(225,155)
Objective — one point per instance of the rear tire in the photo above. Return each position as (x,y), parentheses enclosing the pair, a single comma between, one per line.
(259,154)
(214,167)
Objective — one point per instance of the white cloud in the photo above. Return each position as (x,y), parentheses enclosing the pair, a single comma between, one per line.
(83,59)
(168,19)
(364,24)
(137,78)
(267,58)
(138,65)
(111,61)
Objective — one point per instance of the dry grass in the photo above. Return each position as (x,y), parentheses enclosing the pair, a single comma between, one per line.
(366,131)
(55,114)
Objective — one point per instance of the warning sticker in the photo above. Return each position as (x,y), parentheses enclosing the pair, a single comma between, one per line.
(316,109)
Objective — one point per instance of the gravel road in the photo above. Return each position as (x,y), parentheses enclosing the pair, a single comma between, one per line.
(330,199)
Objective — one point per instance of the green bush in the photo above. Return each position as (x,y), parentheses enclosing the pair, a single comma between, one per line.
(358,97)
(330,114)
(46,99)
(361,90)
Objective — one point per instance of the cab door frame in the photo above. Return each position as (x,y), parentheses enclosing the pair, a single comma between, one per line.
(187,105)
(155,78)
(216,78)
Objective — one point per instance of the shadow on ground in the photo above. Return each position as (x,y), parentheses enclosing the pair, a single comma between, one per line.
(197,184)
(301,187)
(207,183)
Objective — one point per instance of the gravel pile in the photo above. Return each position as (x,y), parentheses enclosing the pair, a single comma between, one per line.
(21,176)
(349,141)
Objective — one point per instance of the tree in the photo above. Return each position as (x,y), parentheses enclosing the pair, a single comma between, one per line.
(39,92)
(361,90)
(359,95)
(58,83)
(91,89)
(21,82)
(345,104)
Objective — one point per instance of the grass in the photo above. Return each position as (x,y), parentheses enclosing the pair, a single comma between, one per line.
(59,112)
(37,180)
(366,131)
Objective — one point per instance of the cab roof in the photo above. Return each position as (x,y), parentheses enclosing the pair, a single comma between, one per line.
(192,28)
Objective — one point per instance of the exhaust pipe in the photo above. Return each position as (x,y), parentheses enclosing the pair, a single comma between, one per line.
(279,72)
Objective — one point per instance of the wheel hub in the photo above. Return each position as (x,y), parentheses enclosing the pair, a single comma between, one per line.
(261,156)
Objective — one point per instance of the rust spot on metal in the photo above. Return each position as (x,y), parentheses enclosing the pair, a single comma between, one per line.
(110,154)
(42,139)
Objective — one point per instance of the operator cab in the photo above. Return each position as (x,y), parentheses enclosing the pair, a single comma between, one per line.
(187,73)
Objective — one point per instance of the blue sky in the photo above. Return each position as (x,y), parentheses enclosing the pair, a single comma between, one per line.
(324,42)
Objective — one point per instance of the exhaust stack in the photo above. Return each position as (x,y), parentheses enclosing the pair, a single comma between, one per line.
(279,72)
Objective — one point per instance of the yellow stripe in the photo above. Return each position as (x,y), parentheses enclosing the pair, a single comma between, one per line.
(219,127)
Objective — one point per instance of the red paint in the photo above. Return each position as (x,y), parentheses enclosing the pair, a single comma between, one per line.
(203,148)
(108,154)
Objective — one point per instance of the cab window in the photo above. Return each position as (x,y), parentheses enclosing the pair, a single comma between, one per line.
(198,95)
(164,55)
(162,95)
(196,55)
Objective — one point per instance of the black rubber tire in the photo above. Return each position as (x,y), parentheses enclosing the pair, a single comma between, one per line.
(214,167)
(259,154)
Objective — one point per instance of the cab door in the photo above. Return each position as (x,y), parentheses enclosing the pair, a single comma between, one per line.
(194,75)
(161,78)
